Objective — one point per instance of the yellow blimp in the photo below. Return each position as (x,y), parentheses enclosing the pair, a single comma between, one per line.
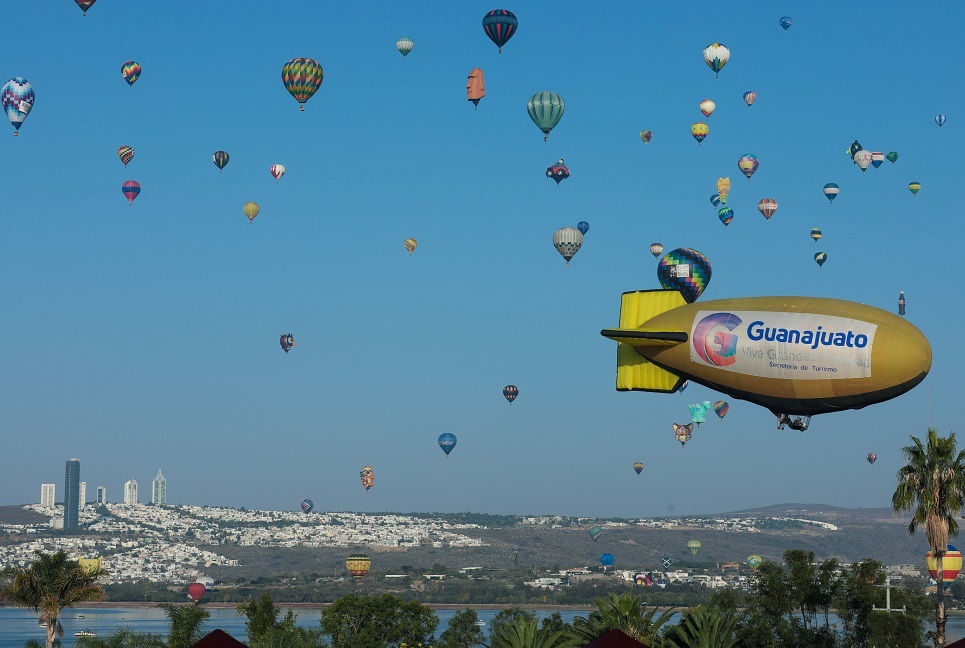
(796,356)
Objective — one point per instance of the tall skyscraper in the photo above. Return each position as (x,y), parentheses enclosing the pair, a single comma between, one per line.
(71,495)
(130,492)
(82,496)
(159,490)
(48,493)
(101,495)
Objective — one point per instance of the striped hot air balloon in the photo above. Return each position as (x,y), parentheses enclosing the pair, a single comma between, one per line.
(914,187)
(815,234)
(595,532)
(831,190)
(951,565)
(546,110)
(126,154)
(567,241)
(877,159)
(767,207)
(307,506)
(131,189)
(500,25)
(251,210)
(358,566)
(220,159)
(302,78)
(656,249)
(940,120)
(410,244)
(131,71)
(721,408)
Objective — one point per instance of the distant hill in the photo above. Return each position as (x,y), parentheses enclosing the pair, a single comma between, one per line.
(19,515)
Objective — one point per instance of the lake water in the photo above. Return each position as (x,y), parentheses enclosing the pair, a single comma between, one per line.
(17,626)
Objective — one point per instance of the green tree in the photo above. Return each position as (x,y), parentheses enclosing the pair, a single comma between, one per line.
(48,585)
(705,627)
(623,612)
(123,638)
(523,632)
(463,631)
(895,630)
(186,624)
(507,617)
(356,621)
(262,617)
(932,485)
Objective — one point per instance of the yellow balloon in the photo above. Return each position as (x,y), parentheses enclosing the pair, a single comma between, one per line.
(723,188)
(251,210)
(410,244)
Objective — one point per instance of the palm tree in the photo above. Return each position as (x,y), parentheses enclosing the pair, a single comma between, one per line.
(49,584)
(932,482)
(186,622)
(705,627)
(526,633)
(623,612)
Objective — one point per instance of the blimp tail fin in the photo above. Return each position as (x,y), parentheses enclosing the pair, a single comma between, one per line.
(635,372)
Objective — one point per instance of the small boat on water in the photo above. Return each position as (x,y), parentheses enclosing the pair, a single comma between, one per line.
(84,633)
(480,623)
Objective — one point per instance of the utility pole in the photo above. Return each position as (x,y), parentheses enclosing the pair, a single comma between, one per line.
(887,607)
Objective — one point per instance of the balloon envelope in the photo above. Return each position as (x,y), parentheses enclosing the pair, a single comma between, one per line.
(754,562)
(447,442)
(750,97)
(567,241)
(721,408)
(951,565)
(251,210)
(872,458)
(767,207)
(131,71)
(220,159)
(546,110)
(302,78)
(699,130)
(558,172)
(892,157)
(358,566)
(638,467)
(126,154)
(815,234)
(17,98)
(715,200)
(914,187)
(476,86)
(287,342)
(500,25)
(584,227)
(748,164)
(404,45)
(785,22)
(863,159)
(831,190)
(693,546)
(368,477)
(707,107)
(131,189)
(820,258)
(606,559)
(196,591)
(307,505)
(716,56)
(595,531)
(277,171)
(726,215)
(940,120)
(683,433)
(686,270)
(877,159)
(656,249)
(510,392)
(410,244)
(646,136)
(85,5)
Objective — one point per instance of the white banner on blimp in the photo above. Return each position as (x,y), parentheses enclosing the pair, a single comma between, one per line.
(797,346)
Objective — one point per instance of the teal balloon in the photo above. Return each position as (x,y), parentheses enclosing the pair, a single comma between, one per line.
(715,200)
(447,442)
(726,215)
(546,110)
(698,412)
(583,226)
(595,532)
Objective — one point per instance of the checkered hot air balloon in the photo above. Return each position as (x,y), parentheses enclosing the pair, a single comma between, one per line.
(685,270)
(131,71)
(17,98)
(302,78)
(126,154)
(500,25)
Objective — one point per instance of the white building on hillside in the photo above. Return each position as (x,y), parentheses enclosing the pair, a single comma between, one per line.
(48,493)
(159,490)
(130,492)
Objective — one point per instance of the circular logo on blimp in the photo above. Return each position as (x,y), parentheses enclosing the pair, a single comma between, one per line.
(713,340)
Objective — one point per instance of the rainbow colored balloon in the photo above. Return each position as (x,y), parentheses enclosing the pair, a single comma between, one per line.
(131,71)
(17,97)
(126,154)
(748,164)
(721,408)
(686,270)
(302,78)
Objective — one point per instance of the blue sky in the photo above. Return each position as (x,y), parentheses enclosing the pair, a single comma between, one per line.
(146,336)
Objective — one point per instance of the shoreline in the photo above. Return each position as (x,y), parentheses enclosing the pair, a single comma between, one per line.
(309,606)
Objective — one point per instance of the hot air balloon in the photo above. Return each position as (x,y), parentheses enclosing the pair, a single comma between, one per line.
(767,207)
(683,433)
(863,159)
(698,412)
(785,22)
(595,532)
(584,227)
(723,189)
(872,458)
(17,98)
(877,159)
(546,110)
(854,148)
(510,392)
(220,159)
(287,342)
(754,562)
(368,477)
(85,5)
(126,154)
(358,566)
(892,157)
(716,56)
(302,78)
(699,130)
(646,136)
(131,71)
(726,215)
(748,164)
(638,467)
(196,591)
(707,107)
(307,506)
(131,189)
(475,86)
(940,120)
(820,258)
(694,547)
(914,187)
(500,25)
(606,560)
(656,249)
(447,442)
(901,302)
(277,171)
(815,234)
(567,241)
(831,190)
(750,97)
(251,210)
(951,565)
(721,408)
(558,172)
(686,270)
(404,45)
(410,244)
(715,199)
